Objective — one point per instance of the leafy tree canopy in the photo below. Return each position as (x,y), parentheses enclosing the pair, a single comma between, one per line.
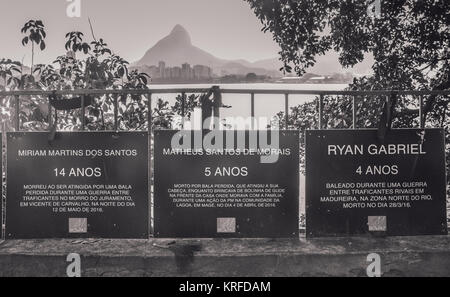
(86,65)
(409,40)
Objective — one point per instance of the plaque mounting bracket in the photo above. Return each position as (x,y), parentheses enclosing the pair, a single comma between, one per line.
(211,106)
(59,103)
(384,125)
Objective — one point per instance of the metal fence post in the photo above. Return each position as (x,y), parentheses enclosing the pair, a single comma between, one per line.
(183,107)
(17,113)
(150,169)
(56,118)
(149,112)
(286,110)
(116,112)
(421,119)
(49,115)
(252,110)
(320,111)
(82,113)
(354,112)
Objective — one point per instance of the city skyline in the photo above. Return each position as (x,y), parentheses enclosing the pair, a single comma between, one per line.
(182,72)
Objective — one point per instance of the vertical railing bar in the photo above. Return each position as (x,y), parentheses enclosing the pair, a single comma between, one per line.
(150,169)
(183,106)
(252,110)
(354,112)
(49,115)
(320,111)
(116,112)
(286,110)
(387,104)
(421,120)
(83,109)
(56,118)
(17,111)
(149,112)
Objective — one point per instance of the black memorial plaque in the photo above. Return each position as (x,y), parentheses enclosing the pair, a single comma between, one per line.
(81,184)
(357,185)
(231,194)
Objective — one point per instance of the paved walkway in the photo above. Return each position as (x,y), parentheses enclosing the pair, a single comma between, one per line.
(400,256)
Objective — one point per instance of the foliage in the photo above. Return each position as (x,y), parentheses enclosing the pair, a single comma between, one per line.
(36,35)
(99,69)
(409,40)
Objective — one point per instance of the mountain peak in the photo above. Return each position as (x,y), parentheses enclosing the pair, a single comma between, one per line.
(176,49)
(178,28)
(180,34)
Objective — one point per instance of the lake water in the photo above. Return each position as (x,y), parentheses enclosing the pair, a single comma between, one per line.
(266,106)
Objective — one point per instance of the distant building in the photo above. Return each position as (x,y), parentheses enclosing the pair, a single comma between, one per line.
(167,73)
(317,78)
(201,72)
(162,68)
(176,72)
(153,71)
(186,71)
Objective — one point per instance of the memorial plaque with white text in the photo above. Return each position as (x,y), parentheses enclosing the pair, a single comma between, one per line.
(81,184)
(356,184)
(227,190)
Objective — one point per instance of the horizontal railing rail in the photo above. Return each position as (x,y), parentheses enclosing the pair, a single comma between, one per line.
(224,91)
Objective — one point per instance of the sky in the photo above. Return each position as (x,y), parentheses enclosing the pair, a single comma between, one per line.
(227,29)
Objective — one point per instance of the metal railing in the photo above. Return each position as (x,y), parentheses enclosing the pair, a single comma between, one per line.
(252,92)
(148,93)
